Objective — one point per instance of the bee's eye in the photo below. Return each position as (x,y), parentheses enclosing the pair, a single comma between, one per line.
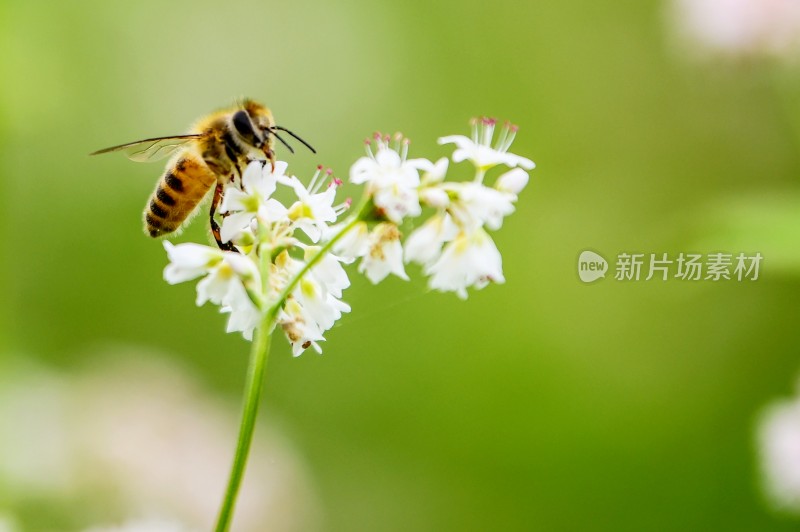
(241,121)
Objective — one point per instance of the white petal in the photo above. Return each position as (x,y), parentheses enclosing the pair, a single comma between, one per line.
(435,197)
(470,260)
(394,257)
(212,288)
(515,160)
(272,211)
(461,155)
(362,169)
(398,202)
(375,270)
(459,140)
(233,200)
(188,261)
(512,181)
(424,245)
(252,176)
(233,224)
(420,164)
(309,228)
(384,254)
(280,169)
(387,158)
(244,319)
(243,266)
(330,273)
(436,172)
(354,243)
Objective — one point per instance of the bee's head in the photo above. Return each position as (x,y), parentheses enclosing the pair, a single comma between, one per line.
(253,123)
(256,127)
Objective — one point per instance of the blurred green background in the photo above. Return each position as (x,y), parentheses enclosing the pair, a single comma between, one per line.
(541,404)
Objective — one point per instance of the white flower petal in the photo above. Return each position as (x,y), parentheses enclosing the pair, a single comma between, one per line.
(435,197)
(435,172)
(512,181)
(387,158)
(361,171)
(481,153)
(469,260)
(188,261)
(354,243)
(252,176)
(425,244)
(459,140)
(385,254)
(233,200)
(233,224)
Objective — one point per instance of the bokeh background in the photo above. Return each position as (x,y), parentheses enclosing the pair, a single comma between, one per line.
(542,404)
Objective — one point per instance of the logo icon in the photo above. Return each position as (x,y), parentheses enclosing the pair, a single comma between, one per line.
(591,266)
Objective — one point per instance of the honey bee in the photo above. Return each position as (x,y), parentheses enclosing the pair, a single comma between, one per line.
(217,149)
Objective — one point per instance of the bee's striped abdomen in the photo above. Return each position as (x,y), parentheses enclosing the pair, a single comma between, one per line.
(177,194)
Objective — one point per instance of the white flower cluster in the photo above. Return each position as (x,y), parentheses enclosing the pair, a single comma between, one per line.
(288,267)
(264,230)
(452,245)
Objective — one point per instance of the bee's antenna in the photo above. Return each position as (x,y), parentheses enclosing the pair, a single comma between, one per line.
(306,144)
(282,141)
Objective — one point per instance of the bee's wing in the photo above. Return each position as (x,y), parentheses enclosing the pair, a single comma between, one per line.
(148,150)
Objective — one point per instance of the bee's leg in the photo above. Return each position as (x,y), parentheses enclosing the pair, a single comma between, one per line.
(215,203)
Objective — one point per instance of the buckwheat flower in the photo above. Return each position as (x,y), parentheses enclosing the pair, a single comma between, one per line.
(474,205)
(313,210)
(283,268)
(430,193)
(391,178)
(471,259)
(436,197)
(319,305)
(384,254)
(424,245)
(479,150)
(355,243)
(226,280)
(189,261)
(329,271)
(244,316)
(301,331)
(231,280)
(254,198)
(397,202)
(434,173)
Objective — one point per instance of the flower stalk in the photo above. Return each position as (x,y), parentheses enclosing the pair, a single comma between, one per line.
(256,373)
(259,354)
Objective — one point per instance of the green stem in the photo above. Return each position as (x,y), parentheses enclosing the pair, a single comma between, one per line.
(255,383)
(258,363)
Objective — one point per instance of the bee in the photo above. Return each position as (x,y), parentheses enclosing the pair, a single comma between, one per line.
(211,155)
